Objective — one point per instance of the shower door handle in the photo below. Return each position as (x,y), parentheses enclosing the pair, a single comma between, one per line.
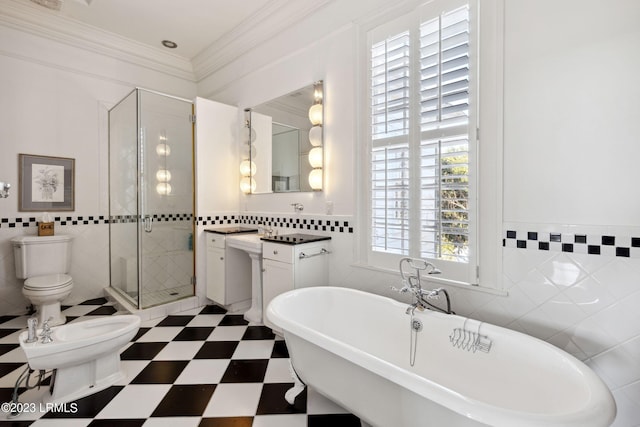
(148,223)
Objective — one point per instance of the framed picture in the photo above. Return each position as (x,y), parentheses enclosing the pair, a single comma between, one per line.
(46,183)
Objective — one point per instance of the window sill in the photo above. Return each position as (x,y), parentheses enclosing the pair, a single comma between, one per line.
(440,281)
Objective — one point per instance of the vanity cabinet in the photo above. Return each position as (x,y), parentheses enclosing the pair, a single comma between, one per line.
(228,272)
(286,266)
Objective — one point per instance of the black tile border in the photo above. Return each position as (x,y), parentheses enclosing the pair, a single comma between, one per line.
(31,221)
(306,223)
(572,243)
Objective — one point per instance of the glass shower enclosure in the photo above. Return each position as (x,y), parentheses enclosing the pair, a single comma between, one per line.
(151,198)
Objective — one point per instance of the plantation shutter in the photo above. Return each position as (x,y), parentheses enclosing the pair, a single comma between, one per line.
(390,110)
(444,122)
(420,152)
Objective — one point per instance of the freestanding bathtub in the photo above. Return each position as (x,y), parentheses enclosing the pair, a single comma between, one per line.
(354,348)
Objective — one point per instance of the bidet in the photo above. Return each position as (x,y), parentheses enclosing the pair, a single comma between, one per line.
(85,355)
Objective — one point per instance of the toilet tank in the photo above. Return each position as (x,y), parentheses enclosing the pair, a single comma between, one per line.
(41,255)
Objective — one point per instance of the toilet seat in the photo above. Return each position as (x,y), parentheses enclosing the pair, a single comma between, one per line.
(48,282)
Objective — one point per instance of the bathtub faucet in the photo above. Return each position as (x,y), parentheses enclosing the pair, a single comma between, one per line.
(410,269)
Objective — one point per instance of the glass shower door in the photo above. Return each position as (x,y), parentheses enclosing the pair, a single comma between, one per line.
(123,198)
(151,198)
(166,201)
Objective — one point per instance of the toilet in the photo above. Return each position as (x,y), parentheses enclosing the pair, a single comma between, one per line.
(84,355)
(44,261)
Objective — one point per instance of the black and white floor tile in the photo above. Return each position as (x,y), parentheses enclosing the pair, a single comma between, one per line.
(201,368)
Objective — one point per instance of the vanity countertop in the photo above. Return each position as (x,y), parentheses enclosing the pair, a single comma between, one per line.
(295,239)
(236,229)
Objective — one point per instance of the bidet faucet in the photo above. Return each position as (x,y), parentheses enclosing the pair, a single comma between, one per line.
(32,323)
(46,332)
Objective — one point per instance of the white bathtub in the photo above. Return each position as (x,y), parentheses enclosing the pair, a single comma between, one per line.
(353,347)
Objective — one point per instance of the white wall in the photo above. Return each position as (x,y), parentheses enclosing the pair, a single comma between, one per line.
(570,101)
(54,102)
(328,58)
(217,177)
(571,112)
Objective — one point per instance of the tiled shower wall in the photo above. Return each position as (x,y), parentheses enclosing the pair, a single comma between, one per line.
(167,260)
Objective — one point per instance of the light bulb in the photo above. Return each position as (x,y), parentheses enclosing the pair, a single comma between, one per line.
(249,151)
(315,136)
(315,179)
(247,185)
(251,135)
(318,92)
(163,175)
(247,168)
(315,114)
(163,149)
(163,188)
(315,157)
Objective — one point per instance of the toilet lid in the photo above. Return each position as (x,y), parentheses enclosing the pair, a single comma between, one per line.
(48,281)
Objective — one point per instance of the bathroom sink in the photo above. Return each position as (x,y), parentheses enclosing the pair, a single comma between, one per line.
(252,245)
(247,242)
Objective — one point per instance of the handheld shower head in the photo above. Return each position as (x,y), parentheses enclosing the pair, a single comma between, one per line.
(434,270)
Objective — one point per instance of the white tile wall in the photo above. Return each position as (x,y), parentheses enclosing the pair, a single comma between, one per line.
(90,264)
(584,304)
(587,305)
(89,267)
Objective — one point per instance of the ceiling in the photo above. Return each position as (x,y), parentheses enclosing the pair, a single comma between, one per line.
(209,33)
(192,24)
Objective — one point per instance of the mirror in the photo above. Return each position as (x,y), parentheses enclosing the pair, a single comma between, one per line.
(283,138)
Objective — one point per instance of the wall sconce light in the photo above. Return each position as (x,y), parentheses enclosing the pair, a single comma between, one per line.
(247,165)
(316,154)
(163,175)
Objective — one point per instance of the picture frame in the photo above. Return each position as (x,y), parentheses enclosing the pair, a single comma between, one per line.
(45,183)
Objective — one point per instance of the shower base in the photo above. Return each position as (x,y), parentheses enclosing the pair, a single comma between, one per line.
(161,305)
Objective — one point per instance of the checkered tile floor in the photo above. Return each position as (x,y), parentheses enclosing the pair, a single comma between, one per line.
(199,368)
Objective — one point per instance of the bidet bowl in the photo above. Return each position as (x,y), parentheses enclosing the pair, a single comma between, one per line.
(79,342)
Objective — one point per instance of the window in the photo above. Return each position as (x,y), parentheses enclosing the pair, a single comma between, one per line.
(423,139)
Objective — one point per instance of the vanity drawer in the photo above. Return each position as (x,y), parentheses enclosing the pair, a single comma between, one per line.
(215,240)
(278,252)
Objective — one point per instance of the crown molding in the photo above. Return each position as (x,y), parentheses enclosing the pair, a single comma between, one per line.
(271,20)
(35,20)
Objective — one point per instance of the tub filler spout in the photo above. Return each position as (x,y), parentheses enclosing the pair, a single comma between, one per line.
(410,269)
